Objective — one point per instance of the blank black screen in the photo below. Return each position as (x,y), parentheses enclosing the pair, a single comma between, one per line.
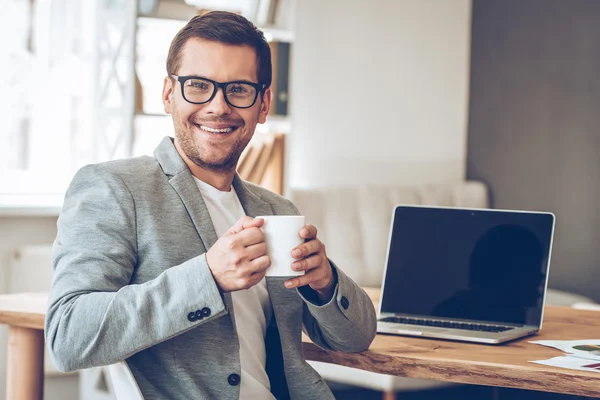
(486,265)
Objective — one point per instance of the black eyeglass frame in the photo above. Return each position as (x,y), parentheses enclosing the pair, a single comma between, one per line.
(259,87)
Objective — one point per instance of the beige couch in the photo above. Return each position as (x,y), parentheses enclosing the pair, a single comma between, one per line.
(354,224)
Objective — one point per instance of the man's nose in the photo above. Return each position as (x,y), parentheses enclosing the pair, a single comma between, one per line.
(218,105)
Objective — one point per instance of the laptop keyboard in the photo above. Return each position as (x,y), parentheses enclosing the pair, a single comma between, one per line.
(447,324)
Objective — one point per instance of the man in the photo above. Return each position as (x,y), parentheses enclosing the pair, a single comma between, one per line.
(159,261)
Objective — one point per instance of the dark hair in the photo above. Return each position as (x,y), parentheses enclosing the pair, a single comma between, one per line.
(227,28)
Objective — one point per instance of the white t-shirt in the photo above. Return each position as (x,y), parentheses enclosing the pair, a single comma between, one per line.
(252,307)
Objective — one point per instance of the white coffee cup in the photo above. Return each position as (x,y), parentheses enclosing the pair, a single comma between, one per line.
(282,235)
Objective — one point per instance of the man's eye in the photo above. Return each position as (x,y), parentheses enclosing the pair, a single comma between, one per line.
(198,85)
(240,90)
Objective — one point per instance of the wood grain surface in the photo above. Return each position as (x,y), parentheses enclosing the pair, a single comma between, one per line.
(25,310)
(504,365)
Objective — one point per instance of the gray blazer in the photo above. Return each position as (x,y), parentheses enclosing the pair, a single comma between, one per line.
(131,283)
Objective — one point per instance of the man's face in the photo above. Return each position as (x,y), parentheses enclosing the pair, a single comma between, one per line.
(213,135)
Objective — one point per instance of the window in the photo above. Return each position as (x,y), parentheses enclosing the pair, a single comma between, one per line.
(68,84)
(65,68)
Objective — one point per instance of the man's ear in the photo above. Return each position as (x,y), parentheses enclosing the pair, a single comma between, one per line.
(167,94)
(265,106)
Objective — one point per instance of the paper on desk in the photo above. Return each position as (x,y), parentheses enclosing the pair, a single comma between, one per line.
(589,348)
(581,354)
(571,362)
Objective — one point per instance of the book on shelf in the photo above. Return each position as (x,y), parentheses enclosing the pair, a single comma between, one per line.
(244,159)
(262,162)
(280,60)
(250,160)
(272,178)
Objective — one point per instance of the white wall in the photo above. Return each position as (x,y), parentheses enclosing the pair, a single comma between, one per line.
(379,92)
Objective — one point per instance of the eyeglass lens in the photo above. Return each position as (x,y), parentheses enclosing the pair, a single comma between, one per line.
(200,91)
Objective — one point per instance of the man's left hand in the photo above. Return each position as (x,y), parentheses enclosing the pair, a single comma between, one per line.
(310,257)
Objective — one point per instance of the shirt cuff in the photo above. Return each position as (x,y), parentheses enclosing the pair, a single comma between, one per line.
(309,295)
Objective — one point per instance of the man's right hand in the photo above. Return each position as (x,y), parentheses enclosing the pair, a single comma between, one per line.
(239,260)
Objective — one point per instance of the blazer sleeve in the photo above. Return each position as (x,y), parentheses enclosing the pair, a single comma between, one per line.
(95,316)
(346,323)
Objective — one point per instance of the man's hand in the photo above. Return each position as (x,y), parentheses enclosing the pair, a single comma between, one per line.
(238,260)
(311,257)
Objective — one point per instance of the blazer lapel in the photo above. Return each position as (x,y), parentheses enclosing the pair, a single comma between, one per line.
(287,305)
(181,179)
(287,312)
(185,186)
(253,205)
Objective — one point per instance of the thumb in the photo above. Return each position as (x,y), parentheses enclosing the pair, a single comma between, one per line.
(245,223)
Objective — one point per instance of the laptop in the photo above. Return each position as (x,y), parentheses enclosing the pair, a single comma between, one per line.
(476,275)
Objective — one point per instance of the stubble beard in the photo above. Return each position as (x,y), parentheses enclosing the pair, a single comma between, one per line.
(192,149)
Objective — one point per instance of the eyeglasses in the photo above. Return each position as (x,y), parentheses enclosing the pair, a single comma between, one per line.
(238,94)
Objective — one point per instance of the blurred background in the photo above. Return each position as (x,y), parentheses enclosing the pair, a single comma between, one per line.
(404,92)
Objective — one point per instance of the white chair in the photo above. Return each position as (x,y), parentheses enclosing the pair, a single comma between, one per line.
(123,383)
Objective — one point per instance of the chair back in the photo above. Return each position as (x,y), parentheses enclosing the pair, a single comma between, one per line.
(124,385)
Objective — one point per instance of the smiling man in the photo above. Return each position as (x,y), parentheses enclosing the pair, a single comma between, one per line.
(159,261)
(212,126)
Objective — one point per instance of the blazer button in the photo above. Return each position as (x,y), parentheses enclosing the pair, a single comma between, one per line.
(345,302)
(233,379)
(191,317)
(206,312)
(199,315)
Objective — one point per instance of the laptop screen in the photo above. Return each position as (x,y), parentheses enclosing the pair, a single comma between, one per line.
(482,265)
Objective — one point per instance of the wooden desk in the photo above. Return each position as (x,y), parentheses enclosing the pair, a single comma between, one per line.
(503,365)
(24,314)
(493,365)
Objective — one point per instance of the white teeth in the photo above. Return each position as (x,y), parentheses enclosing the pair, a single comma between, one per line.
(211,130)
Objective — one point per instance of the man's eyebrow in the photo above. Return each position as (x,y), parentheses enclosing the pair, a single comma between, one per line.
(195,76)
(235,80)
(244,81)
